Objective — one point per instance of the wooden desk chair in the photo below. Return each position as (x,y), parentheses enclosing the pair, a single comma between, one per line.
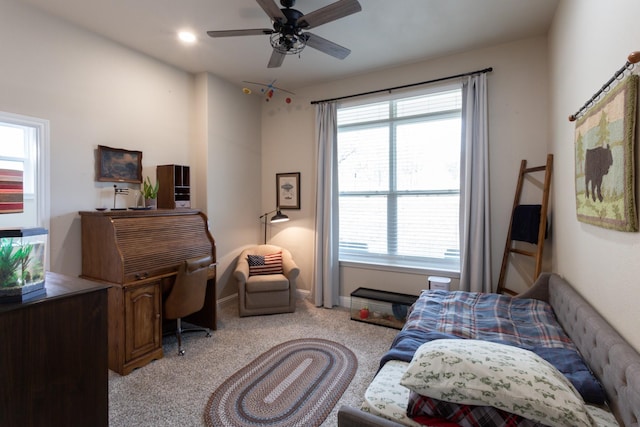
(187,295)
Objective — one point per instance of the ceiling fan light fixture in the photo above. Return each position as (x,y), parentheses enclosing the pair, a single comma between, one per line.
(288,44)
(288,35)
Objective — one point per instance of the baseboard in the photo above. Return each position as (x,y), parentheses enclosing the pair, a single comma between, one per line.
(302,294)
(345,302)
(231,299)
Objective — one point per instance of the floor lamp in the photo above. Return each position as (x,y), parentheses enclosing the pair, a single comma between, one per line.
(278,217)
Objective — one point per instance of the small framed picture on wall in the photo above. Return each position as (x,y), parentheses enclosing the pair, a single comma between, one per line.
(118,165)
(288,190)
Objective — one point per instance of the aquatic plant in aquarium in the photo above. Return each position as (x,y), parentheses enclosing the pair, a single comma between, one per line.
(22,263)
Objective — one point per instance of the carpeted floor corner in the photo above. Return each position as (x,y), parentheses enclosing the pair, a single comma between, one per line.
(174,391)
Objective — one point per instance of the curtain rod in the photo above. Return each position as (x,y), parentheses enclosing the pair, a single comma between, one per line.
(486,70)
(632,59)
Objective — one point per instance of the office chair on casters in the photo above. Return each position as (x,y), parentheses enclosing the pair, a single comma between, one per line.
(187,295)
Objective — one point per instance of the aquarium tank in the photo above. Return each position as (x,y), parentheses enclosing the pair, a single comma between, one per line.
(22,262)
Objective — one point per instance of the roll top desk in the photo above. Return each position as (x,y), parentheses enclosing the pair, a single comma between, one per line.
(138,254)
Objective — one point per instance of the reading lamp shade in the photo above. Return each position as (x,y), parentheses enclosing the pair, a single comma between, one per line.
(279,217)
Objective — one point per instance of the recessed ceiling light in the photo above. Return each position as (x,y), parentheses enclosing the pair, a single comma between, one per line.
(187,36)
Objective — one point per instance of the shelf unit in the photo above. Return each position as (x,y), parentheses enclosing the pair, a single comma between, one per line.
(174,186)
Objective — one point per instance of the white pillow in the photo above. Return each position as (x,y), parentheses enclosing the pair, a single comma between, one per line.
(475,372)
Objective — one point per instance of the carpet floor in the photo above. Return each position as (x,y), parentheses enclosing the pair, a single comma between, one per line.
(174,391)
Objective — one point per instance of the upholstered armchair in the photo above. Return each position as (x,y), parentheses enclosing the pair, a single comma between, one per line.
(266,285)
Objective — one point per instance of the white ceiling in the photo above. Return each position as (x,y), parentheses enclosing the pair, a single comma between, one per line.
(384,34)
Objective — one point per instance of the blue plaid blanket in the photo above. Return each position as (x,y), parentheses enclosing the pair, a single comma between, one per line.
(520,322)
(525,323)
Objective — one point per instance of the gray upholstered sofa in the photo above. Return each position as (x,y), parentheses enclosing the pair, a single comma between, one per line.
(613,361)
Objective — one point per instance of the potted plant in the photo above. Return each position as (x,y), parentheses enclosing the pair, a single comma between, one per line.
(150,193)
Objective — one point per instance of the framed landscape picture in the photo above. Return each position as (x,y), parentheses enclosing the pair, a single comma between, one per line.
(288,190)
(118,165)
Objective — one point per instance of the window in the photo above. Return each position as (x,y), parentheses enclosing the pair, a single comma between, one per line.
(399,181)
(24,147)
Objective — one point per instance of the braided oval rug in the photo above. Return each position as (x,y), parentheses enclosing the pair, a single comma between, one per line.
(296,383)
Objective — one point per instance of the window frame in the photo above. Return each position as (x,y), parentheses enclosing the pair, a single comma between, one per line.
(42,189)
(388,261)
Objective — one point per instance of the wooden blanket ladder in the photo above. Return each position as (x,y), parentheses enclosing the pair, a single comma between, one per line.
(516,213)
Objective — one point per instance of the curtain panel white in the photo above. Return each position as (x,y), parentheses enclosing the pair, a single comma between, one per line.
(326,287)
(475,230)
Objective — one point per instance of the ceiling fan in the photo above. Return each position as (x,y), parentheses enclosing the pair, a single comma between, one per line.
(287,36)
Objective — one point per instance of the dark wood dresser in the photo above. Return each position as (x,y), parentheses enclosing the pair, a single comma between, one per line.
(138,254)
(53,363)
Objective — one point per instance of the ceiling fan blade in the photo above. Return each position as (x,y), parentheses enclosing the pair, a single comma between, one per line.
(329,13)
(276,59)
(326,46)
(231,33)
(272,9)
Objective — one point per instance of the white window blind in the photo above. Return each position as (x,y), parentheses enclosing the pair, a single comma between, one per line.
(399,181)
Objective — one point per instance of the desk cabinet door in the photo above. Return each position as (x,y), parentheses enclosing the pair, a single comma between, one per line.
(142,320)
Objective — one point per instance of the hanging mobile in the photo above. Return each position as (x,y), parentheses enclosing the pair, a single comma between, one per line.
(268,90)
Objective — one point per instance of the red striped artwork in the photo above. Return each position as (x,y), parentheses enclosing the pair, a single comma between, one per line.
(11,191)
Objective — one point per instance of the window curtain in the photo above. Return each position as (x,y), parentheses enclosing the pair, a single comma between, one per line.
(326,291)
(475,232)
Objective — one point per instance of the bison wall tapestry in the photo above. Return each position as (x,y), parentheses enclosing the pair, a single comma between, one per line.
(604,155)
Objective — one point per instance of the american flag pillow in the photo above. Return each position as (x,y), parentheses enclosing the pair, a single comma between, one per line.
(268,264)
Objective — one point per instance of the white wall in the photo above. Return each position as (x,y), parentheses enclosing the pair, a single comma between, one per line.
(589,41)
(518,129)
(232,154)
(95,92)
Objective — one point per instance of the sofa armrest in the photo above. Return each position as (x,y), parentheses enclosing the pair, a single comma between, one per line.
(352,417)
(539,290)
(290,268)
(241,272)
